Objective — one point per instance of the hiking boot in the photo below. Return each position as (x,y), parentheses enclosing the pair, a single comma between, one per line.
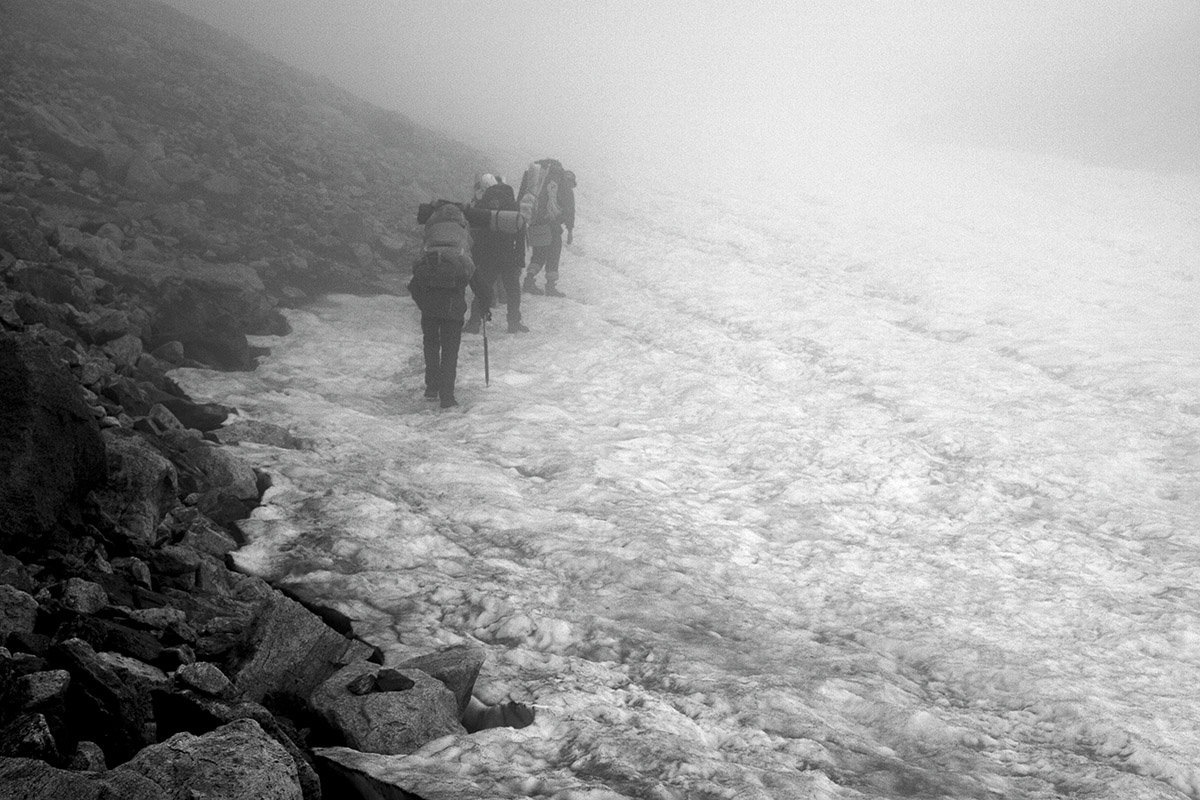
(431,394)
(531,287)
(516,327)
(449,402)
(552,291)
(471,326)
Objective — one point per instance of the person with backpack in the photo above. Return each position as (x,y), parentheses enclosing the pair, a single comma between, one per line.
(497,255)
(548,202)
(438,286)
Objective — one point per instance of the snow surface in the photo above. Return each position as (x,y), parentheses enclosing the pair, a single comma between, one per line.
(888,488)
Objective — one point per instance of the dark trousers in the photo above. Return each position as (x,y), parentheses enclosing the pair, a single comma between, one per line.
(547,256)
(511,278)
(442,337)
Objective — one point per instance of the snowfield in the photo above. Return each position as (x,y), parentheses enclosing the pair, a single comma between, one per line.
(887,488)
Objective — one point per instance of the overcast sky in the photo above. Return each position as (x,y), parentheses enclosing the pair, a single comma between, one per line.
(703,83)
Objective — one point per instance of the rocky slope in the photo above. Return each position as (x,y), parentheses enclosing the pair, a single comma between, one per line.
(163,191)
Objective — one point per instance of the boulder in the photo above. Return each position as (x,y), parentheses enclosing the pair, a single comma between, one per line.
(28,736)
(27,779)
(142,485)
(18,611)
(226,485)
(258,432)
(109,706)
(58,132)
(388,722)
(456,667)
(238,761)
(19,234)
(51,453)
(184,710)
(292,651)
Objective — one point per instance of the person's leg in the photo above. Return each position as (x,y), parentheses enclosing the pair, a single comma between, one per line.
(451,338)
(537,260)
(512,291)
(553,256)
(431,338)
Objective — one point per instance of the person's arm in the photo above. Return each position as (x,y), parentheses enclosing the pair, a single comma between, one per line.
(569,213)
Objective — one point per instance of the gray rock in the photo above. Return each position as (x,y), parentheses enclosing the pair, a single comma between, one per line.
(205,677)
(28,736)
(142,485)
(379,777)
(456,667)
(19,234)
(396,722)
(51,453)
(107,708)
(257,432)
(83,596)
(124,350)
(88,757)
(238,761)
(18,611)
(39,688)
(292,650)
(27,779)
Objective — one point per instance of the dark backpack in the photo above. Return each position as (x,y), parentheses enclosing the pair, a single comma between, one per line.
(539,200)
(445,262)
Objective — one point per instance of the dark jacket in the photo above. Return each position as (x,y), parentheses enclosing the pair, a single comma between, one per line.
(494,251)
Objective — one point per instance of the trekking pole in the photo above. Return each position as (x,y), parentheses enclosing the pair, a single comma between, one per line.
(487,374)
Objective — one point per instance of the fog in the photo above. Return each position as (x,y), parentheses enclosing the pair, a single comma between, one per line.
(717,88)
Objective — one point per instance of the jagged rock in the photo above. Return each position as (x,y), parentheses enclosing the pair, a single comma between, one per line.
(171,352)
(197,416)
(258,432)
(42,688)
(387,722)
(456,667)
(124,350)
(84,597)
(108,708)
(18,611)
(101,326)
(293,651)
(14,573)
(51,453)
(238,761)
(27,779)
(191,712)
(206,678)
(142,485)
(380,777)
(58,132)
(88,757)
(9,317)
(227,486)
(205,536)
(19,234)
(28,736)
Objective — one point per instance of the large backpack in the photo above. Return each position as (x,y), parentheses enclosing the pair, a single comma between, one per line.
(445,262)
(539,204)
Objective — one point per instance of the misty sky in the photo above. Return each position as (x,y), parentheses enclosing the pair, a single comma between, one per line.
(710,83)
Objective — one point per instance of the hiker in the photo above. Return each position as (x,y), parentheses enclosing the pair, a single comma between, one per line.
(548,194)
(498,256)
(438,285)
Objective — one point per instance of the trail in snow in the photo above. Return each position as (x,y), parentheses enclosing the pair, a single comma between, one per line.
(871,492)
